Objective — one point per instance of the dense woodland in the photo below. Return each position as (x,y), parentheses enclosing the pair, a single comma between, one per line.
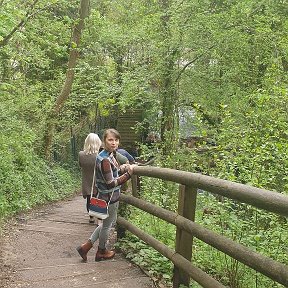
(211,70)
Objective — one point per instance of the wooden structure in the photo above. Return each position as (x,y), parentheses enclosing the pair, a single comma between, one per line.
(187,228)
(126,125)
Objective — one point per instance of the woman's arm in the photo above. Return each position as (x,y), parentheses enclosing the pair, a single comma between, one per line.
(108,175)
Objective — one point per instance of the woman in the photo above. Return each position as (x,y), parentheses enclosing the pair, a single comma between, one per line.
(87,159)
(108,184)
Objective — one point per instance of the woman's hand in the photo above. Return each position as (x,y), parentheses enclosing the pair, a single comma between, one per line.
(130,168)
(123,168)
(127,168)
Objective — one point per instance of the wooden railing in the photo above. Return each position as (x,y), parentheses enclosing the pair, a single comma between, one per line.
(187,228)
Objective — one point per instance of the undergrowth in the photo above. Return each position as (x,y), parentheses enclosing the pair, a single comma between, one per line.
(263,232)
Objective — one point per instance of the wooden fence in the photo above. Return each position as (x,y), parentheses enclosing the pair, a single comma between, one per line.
(187,228)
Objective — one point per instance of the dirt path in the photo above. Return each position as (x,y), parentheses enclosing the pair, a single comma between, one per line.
(38,250)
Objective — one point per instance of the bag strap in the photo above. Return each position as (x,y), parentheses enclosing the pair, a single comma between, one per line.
(91,194)
(110,198)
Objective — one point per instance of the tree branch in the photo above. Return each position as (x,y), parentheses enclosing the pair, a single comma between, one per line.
(214,121)
(191,62)
(19,25)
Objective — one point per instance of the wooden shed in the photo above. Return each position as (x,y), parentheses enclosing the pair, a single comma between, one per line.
(126,124)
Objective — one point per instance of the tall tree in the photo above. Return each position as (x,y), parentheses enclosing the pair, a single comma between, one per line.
(167,88)
(66,89)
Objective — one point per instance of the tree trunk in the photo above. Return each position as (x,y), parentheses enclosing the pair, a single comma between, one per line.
(66,89)
(167,86)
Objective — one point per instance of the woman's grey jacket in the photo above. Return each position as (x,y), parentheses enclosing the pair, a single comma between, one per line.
(87,163)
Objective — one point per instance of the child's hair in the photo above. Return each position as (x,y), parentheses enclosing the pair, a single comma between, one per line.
(92,144)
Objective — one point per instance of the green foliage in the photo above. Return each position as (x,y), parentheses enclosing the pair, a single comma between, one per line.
(26,180)
(258,152)
(223,63)
(236,85)
(146,257)
(263,232)
(251,227)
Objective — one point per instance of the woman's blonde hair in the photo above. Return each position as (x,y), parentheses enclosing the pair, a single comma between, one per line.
(92,144)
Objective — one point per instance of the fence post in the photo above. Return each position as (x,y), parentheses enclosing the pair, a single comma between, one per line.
(124,208)
(135,192)
(184,240)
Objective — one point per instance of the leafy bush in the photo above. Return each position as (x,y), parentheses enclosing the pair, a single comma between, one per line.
(26,179)
(261,231)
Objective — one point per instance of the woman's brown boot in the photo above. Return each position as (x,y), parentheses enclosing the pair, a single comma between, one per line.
(104,254)
(84,248)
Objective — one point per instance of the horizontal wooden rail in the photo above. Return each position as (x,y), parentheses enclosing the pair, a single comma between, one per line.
(261,198)
(197,274)
(263,264)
